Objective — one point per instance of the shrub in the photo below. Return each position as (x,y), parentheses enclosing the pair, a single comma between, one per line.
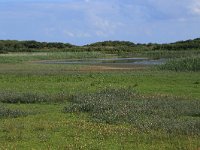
(11,97)
(30,98)
(6,112)
(172,115)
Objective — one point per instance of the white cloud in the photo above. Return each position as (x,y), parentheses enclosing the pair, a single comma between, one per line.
(76,34)
(195,7)
(103,24)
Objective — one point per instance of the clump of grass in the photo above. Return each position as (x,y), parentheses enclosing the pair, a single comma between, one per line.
(12,113)
(31,98)
(182,64)
(27,98)
(171,115)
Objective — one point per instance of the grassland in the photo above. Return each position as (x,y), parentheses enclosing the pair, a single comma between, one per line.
(57,106)
(13,58)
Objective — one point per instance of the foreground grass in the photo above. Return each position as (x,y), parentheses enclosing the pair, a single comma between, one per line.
(172,115)
(32,98)
(49,128)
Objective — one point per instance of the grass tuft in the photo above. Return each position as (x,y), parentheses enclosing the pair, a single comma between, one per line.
(31,98)
(11,113)
(27,98)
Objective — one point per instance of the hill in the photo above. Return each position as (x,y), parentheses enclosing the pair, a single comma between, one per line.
(108,46)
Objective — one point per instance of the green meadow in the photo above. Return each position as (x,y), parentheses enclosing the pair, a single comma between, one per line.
(99,106)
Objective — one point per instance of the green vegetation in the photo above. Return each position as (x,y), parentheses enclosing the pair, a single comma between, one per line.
(10,113)
(35,56)
(172,115)
(52,129)
(75,81)
(99,106)
(28,46)
(181,45)
(28,98)
(114,47)
(32,98)
(182,64)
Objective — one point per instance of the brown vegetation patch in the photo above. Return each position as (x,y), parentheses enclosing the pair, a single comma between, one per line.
(111,67)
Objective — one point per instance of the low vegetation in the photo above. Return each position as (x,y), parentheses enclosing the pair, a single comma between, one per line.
(182,64)
(10,113)
(14,58)
(24,98)
(94,106)
(32,98)
(171,115)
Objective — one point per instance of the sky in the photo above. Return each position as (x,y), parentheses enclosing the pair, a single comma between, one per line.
(82,22)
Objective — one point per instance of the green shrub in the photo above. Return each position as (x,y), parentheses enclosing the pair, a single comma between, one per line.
(31,98)
(171,115)
(182,64)
(6,112)
(11,97)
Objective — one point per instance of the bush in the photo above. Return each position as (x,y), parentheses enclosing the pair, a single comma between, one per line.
(172,115)
(6,112)
(31,98)
(11,97)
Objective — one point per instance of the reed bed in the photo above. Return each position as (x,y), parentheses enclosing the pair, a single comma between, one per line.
(182,64)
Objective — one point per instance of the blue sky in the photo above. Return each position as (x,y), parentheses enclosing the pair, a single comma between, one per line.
(86,21)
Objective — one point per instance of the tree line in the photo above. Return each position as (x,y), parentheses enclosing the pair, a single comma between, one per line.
(28,46)
(180,45)
(108,46)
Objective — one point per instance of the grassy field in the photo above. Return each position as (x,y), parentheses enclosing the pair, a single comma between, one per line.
(13,58)
(58,106)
